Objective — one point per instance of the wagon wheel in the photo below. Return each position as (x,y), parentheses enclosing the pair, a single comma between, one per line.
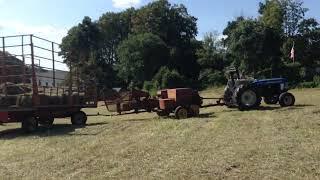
(47,121)
(79,118)
(30,124)
(181,113)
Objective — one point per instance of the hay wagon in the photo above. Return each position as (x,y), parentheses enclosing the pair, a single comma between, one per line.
(36,86)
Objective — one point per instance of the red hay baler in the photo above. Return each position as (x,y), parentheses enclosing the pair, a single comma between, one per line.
(183,102)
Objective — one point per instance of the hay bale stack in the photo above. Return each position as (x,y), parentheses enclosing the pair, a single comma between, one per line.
(20,95)
(6,101)
(14,89)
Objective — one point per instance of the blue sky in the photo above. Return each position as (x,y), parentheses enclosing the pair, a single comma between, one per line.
(52,18)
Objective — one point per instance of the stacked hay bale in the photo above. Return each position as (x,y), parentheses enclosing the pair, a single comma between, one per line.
(14,95)
(20,95)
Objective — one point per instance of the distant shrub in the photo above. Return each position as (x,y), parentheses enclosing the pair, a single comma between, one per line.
(316,81)
(307,85)
(166,78)
(313,84)
(210,78)
(148,86)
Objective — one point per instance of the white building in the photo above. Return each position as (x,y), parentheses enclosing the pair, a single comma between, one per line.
(45,77)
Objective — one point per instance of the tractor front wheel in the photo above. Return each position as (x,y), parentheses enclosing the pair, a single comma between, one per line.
(286,99)
(79,118)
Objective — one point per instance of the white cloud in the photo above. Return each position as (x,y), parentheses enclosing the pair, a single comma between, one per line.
(122,4)
(46,31)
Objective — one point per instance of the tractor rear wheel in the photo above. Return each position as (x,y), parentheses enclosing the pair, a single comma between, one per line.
(181,113)
(30,124)
(79,118)
(286,99)
(247,98)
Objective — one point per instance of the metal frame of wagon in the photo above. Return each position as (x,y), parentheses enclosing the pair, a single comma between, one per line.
(39,113)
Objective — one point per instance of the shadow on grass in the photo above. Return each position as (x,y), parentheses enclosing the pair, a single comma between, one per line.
(267,108)
(202,115)
(207,115)
(130,113)
(56,130)
(304,105)
(140,120)
(272,108)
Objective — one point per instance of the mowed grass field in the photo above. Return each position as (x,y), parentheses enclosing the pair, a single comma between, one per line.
(270,143)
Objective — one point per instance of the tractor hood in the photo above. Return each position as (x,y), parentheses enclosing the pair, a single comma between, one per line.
(282,82)
(270,81)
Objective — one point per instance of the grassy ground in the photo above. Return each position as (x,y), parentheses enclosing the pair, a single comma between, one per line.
(270,143)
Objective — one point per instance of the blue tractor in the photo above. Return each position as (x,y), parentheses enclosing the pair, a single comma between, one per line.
(247,94)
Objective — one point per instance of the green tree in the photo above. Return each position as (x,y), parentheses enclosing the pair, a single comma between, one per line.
(115,27)
(211,53)
(172,23)
(294,13)
(168,78)
(80,41)
(211,60)
(272,14)
(78,47)
(253,46)
(177,28)
(308,39)
(140,57)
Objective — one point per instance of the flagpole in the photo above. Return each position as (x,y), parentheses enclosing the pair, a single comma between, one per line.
(294,53)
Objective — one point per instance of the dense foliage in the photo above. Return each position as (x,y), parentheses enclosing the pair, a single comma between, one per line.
(155,47)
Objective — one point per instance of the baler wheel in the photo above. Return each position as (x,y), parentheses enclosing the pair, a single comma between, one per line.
(181,113)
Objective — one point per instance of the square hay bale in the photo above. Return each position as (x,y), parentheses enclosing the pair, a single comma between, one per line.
(9,100)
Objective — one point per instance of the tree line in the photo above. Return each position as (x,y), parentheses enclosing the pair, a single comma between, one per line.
(155,46)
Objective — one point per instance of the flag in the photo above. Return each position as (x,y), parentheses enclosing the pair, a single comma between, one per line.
(292,53)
